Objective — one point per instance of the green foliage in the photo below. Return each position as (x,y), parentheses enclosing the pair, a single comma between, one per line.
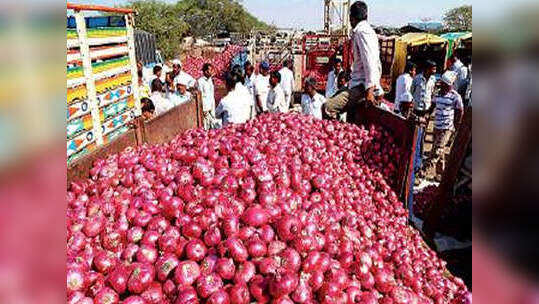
(459,19)
(161,19)
(170,22)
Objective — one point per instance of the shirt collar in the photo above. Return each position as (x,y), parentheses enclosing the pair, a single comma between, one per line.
(361,25)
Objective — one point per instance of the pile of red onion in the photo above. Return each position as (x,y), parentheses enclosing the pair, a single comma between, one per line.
(282,209)
(192,65)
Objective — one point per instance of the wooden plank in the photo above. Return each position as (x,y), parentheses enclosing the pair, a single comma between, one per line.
(89,77)
(403,132)
(130,24)
(168,125)
(80,168)
(101,8)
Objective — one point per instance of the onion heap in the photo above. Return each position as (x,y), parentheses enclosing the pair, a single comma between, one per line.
(283,209)
(192,65)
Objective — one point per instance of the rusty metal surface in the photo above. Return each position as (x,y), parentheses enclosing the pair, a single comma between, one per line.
(160,129)
(165,127)
(403,133)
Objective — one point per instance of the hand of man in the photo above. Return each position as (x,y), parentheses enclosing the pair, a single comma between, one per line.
(369,96)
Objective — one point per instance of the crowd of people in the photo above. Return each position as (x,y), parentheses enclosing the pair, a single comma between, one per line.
(418,92)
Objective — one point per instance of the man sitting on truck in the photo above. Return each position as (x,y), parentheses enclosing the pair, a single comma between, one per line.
(331,85)
(366,67)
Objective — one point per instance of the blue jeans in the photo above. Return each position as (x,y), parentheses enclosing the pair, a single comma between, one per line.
(418,159)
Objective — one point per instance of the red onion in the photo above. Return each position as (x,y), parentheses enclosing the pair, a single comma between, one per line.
(282,209)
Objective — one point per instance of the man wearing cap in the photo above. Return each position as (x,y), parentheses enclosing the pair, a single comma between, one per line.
(207,90)
(448,109)
(262,87)
(180,95)
(178,72)
(366,66)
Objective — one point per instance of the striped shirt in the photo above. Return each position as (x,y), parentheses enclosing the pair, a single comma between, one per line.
(444,112)
(422,91)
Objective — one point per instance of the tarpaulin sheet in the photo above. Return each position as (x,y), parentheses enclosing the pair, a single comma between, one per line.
(455,39)
(409,40)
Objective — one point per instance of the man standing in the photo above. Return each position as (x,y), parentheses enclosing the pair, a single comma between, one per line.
(207,90)
(262,88)
(458,67)
(403,90)
(178,72)
(448,109)
(250,85)
(277,102)
(366,67)
(331,85)
(422,92)
(423,88)
(287,80)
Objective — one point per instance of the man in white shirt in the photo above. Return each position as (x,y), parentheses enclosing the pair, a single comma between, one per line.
(180,95)
(161,104)
(178,72)
(262,87)
(458,67)
(287,80)
(207,90)
(235,107)
(331,85)
(366,67)
(311,100)
(276,102)
(403,90)
(250,78)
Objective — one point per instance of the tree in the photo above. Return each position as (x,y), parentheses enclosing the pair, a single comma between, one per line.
(459,19)
(161,19)
(171,22)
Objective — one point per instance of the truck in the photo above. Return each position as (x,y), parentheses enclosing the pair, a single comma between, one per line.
(320,52)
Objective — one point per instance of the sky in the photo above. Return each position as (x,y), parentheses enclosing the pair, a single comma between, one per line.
(308,14)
